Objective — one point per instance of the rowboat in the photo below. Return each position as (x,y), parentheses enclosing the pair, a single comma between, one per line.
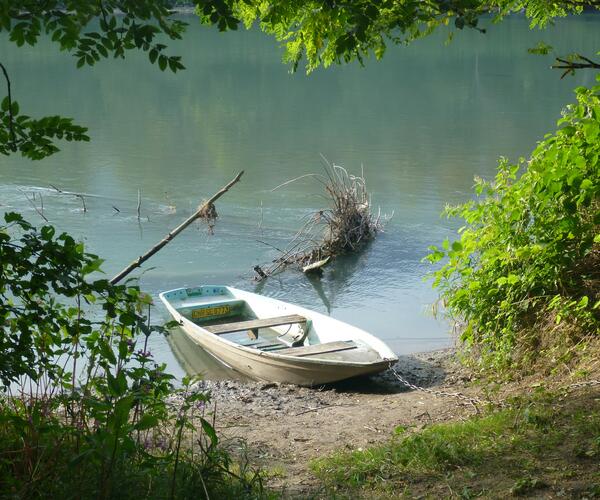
(273,341)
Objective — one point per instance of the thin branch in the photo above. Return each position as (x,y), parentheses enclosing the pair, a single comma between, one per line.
(11,123)
(82,198)
(41,214)
(571,66)
(294,180)
(269,245)
(143,258)
(139,203)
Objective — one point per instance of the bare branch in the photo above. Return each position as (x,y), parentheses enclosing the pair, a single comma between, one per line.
(198,213)
(11,123)
(578,62)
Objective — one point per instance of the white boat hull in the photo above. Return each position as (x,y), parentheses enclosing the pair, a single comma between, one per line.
(277,366)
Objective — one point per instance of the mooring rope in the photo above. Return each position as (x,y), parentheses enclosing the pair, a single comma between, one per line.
(501,403)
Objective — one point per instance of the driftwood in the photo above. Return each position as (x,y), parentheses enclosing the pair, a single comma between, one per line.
(316,267)
(197,214)
(81,196)
(139,204)
(74,193)
(342,227)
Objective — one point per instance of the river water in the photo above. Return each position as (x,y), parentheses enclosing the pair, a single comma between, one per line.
(421,123)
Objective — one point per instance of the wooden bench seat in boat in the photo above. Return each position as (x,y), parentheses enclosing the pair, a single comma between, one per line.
(315,349)
(255,324)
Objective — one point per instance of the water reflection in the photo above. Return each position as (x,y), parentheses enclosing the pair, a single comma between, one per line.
(196,361)
(315,280)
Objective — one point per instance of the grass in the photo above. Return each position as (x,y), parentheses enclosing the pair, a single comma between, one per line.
(544,443)
(46,460)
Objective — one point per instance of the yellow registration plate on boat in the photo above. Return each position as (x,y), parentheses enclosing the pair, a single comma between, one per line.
(211,311)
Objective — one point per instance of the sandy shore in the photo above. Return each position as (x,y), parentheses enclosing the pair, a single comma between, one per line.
(286,426)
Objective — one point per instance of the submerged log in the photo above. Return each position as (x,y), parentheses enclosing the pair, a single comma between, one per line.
(316,266)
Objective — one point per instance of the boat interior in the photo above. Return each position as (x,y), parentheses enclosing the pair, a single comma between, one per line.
(217,311)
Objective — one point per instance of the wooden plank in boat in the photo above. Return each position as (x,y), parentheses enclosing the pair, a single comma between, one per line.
(311,350)
(264,344)
(255,324)
(276,347)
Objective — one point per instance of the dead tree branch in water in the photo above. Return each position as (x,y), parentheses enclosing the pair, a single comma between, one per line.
(573,62)
(344,226)
(197,214)
(81,196)
(139,204)
(208,212)
(32,203)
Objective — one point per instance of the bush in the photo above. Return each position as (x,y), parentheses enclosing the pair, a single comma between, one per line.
(85,411)
(524,276)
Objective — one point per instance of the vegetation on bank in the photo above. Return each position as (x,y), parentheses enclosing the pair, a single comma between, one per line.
(524,275)
(86,411)
(544,444)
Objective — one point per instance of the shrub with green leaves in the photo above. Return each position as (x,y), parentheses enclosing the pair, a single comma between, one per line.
(85,411)
(524,276)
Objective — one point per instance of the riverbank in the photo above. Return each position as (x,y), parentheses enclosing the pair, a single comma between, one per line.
(284,427)
(287,430)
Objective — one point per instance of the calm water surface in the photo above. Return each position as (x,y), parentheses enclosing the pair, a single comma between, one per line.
(421,123)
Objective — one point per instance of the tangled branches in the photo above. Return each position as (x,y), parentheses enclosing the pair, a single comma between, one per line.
(344,226)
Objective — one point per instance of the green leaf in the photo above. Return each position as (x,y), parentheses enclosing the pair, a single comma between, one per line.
(541,48)
(47,233)
(210,432)
(10,217)
(121,414)
(92,266)
(106,352)
(117,385)
(512,279)
(146,422)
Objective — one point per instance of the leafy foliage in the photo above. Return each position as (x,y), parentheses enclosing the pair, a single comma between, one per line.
(123,25)
(90,31)
(87,412)
(530,247)
(324,32)
(95,30)
(33,138)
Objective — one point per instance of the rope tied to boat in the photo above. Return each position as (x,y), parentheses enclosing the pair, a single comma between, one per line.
(501,403)
(446,394)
